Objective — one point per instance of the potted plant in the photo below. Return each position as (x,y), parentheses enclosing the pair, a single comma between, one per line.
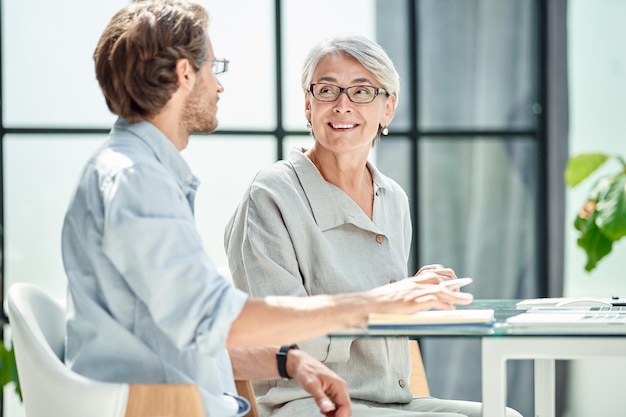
(8,368)
(602,218)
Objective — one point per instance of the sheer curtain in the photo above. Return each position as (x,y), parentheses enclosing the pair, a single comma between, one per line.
(479,160)
(478,194)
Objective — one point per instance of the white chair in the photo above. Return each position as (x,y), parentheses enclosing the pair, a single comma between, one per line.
(49,388)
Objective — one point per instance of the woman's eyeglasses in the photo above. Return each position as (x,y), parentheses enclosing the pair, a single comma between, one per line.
(360,94)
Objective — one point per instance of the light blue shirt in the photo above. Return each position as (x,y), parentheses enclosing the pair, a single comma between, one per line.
(145,302)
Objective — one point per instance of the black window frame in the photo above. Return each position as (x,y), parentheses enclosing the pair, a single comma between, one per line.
(414,133)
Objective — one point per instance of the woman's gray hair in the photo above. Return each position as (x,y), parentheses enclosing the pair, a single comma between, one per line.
(370,54)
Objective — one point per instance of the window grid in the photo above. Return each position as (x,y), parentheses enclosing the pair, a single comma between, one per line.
(414,133)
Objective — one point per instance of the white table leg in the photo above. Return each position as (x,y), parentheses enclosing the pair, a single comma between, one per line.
(544,350)
(545,390)
(494,378)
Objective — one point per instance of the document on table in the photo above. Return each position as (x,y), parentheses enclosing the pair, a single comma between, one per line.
(434,319)
(568,301)
(572,322)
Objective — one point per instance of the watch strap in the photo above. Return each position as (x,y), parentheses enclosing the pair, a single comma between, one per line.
(281,359)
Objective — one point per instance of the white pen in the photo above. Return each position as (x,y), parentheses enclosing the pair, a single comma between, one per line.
(456,283)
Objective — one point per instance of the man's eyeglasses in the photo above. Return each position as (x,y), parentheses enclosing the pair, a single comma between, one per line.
(220,66)
(360,94)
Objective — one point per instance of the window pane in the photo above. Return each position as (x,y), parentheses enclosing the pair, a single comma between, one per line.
(392,156)
(291,142)
(478,199)
(244,34)
(225,166)
(40,174)
(477,203)
(54,84)
(306,23)
(393,34)
(47,63)
(42,171)
(478,64)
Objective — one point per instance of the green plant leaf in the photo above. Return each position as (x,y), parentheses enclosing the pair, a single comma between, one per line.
(8,368)
(611,208)
(600,188)
(595,244)
(581,166)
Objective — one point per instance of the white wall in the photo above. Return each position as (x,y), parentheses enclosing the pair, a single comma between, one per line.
(597,86)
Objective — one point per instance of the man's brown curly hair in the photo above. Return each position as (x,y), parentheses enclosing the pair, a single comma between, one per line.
(137,54)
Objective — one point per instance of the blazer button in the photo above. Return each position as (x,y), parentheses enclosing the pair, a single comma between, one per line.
(402,383)
(379,238)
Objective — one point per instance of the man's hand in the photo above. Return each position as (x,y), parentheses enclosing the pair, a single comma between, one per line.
(412,294)
(327,388)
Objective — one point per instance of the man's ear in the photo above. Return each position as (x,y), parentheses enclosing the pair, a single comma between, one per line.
(185,73)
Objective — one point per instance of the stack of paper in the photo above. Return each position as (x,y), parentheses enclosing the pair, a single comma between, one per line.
(567,301)
(568,320)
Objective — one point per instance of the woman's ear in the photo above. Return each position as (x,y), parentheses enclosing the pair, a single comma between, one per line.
(390,110)
(307,106)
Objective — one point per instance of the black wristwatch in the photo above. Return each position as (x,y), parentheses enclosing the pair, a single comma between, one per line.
(281,359)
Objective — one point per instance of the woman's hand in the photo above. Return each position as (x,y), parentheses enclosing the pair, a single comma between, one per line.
(434,274)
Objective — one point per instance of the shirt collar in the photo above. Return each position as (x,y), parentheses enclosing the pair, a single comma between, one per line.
(331,206)
(163,149)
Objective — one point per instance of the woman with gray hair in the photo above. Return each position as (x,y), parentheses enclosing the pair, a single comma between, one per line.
(327,221)
(371,57)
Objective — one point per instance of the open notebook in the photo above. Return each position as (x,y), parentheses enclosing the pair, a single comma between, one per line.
(462,319)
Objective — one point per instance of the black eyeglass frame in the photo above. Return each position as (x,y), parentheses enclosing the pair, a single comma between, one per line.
(377,91)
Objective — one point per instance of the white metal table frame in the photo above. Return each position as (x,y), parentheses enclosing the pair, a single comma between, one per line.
(544,350)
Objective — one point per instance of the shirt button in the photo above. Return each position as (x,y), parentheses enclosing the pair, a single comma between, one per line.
(379,238)
(377,192)
(402,383)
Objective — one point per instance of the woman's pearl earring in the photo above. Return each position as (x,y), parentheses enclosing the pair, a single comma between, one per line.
(308,124)
(385,131)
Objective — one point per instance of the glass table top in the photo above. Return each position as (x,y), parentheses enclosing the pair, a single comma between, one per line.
(503,309)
